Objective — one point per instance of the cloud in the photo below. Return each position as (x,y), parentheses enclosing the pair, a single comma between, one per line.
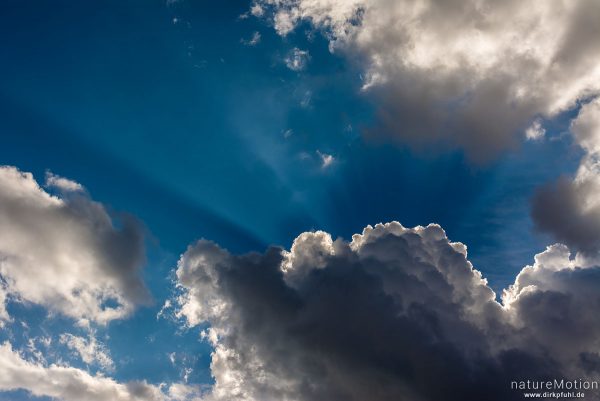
(296,59)
(89,350)
(62,184)
(569,209)
(396,313)
(256,10)
(474,74)
(65,252)
(535,131)
(253,41)
(326,159)
(66,383)
(586,127)
(70,384)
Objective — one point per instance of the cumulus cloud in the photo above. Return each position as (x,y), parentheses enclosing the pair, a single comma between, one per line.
(570,208)
(65,252)
(396,313)
(475,74)
(552,302)
(296,59)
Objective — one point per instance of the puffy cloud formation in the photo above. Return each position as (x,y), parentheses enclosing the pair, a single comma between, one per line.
(397,313)
(552,307)
(65,252)
(70,384)
(570,209)
(472,73)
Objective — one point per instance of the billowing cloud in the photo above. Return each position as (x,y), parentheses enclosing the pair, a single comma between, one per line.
(396,313)
(65,253)
(470,73)
(570,208)
(551,306)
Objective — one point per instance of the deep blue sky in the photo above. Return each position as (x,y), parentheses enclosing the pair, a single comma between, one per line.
(163,112)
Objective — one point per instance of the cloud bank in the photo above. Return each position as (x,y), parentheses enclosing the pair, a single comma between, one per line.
(397,313)
(65,253)
(475,74)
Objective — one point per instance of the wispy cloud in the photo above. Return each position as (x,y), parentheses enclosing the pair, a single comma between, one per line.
(326,159)
(296,59)
(253,40)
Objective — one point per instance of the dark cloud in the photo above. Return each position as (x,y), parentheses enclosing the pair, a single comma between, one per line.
(395,314)
(557,208)
(569,209)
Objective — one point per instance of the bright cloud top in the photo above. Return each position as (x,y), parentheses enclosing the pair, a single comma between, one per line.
(65,253)
(397,313)
(473,73)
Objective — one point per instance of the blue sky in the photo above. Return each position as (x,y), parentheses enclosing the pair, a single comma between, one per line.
(164,111)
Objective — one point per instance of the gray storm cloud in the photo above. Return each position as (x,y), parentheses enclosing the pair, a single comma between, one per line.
(65,253)
(397,313)
(473,74)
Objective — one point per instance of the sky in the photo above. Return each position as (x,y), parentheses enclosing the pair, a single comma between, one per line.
(191,192)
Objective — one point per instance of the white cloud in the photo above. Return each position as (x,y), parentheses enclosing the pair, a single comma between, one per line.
(184,392)
(65,253)
(474,72)
(535,131)
(89,350)
(586,127)
(61,183)
(61,382)
(296,59)
(67,383)
(256,10)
